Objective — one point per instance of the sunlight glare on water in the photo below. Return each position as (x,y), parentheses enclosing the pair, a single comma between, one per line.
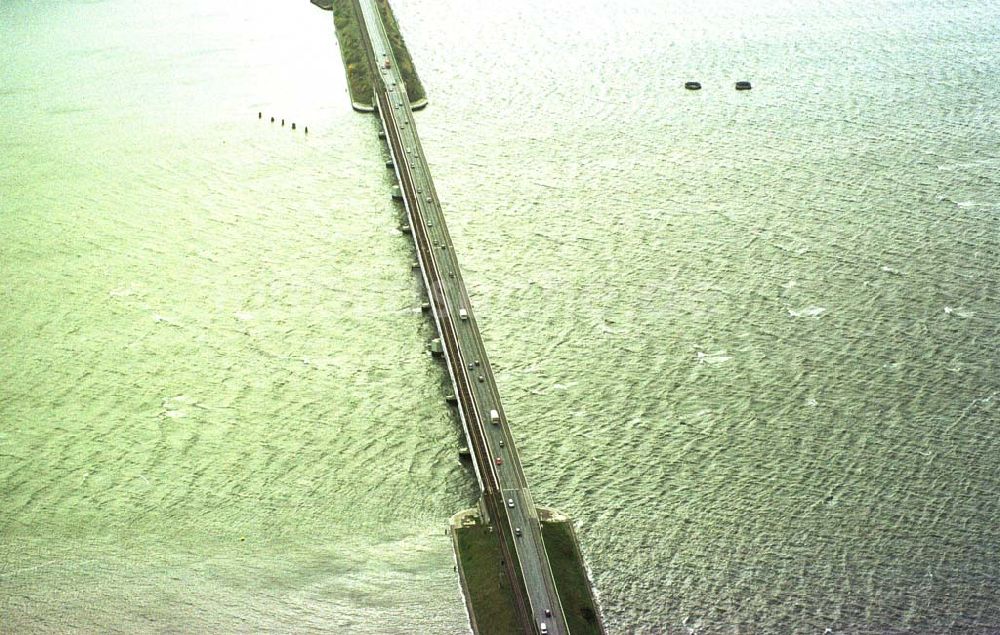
(747,340)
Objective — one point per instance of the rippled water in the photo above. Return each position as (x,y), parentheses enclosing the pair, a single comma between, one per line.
(747,340)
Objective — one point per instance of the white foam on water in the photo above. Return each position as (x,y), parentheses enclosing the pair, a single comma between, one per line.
(807,312)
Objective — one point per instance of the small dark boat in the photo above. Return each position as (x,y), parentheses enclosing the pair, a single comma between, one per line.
(742,85)
(692,85)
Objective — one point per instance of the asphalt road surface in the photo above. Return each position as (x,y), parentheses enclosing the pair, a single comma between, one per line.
(497,464)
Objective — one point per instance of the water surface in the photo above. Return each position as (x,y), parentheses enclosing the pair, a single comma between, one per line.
(747,340)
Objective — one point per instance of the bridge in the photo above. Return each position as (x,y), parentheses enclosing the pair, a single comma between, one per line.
(506,501)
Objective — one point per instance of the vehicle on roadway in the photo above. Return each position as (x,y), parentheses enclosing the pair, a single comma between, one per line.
(510,502)
(543,629)
(499,461)
(517,531)
(494,415)
(463,314)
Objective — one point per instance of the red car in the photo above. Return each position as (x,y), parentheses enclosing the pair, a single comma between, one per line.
(499,461)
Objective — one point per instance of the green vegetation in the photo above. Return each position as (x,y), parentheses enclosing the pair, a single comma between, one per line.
(414,89)
(359,77)
(485,581)
(571,578)
(493,609)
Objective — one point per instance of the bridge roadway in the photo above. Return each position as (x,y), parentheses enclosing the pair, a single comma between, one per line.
(498,467)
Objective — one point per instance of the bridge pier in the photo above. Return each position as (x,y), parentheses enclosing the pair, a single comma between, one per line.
(505,504)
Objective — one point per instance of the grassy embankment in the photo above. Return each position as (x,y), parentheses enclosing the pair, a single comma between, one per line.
(571,578)
(359,79)
(485,581)
(493,606)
